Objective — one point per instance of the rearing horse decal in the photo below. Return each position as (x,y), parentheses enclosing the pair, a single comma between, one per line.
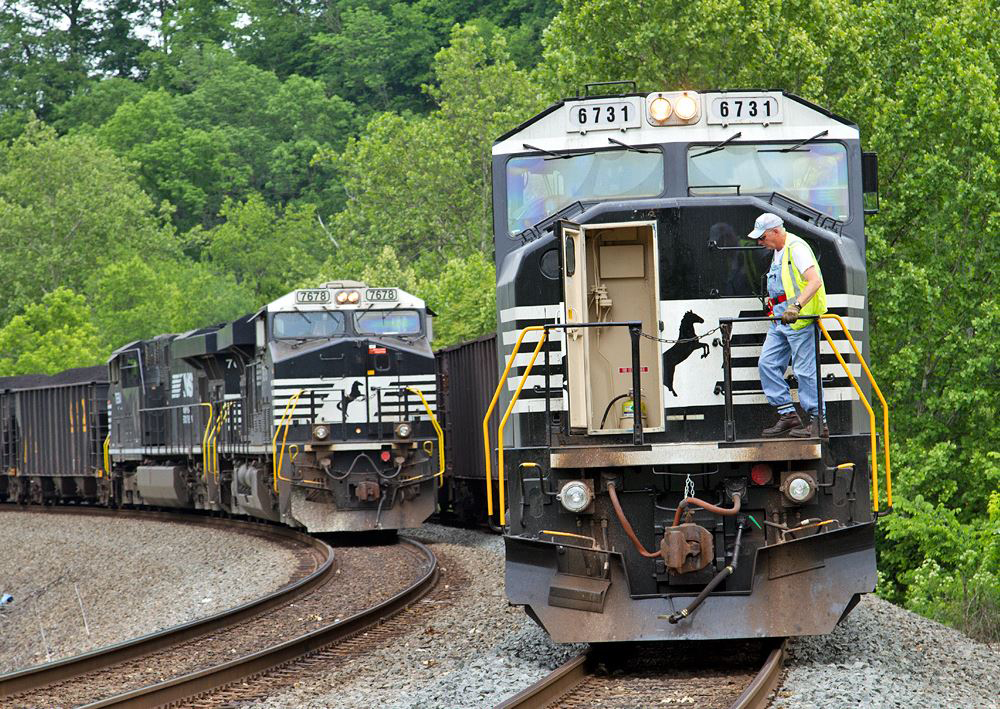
(687,343)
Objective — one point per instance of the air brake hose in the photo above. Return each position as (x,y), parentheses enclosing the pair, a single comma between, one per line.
(719,578)
(626,526)
(724,511)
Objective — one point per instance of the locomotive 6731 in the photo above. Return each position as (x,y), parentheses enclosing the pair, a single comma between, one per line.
(639,498)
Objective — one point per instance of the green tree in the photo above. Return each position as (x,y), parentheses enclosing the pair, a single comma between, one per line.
(463,295)
(137,298)
(268,251)
(442,208)
(68,206)
(50,336)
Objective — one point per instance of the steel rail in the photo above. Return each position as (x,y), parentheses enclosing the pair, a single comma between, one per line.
(190,685)
(569,675)
(39,676)
(759,690)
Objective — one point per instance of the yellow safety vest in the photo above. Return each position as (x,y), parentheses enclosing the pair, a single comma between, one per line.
(794,282)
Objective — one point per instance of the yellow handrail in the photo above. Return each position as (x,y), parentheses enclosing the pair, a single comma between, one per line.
(107,455)
(286,418)
(437,428)
(503,422)
(213,454)
(486,419)
(204,439)
(864,400)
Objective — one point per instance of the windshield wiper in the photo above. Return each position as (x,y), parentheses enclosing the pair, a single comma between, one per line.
(632,148)
(556,156)
(303,315)
(794,147)
(719,146)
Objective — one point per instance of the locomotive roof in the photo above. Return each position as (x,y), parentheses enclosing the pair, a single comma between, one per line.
(551,125)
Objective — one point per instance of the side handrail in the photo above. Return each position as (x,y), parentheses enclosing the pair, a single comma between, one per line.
(214,439)
(204,439)
(286,418)
(489,412)
(437,428)
(871,412)
(107,456)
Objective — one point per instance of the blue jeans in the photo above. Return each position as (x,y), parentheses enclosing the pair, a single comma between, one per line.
(781,345)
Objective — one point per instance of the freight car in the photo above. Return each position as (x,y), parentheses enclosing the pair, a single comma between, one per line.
(638,497)
(316,412)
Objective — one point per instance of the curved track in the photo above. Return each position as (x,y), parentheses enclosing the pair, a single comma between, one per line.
(91,674)
(730,675)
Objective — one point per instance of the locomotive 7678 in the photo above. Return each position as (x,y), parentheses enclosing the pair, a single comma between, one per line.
(639,498)
(315,411)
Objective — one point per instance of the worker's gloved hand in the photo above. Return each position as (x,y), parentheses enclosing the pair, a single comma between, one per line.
(791,314)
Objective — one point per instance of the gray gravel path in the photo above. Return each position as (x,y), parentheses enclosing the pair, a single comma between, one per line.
(885,656)
(133,577)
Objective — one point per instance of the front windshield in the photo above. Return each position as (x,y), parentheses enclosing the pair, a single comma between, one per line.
(308,324)
(539,186)
(388,322)
(814,175)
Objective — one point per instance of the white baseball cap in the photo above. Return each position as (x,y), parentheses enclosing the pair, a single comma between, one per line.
(765,221)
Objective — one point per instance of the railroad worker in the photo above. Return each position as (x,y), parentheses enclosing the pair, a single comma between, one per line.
(795,287)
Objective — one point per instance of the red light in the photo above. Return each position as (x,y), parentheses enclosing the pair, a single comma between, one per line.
(385,456)
(761,474)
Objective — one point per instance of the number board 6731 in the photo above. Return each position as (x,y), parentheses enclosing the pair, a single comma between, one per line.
(603,115)
(744,108)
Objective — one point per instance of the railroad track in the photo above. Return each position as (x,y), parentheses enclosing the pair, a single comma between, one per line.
(179,663)
(733,675)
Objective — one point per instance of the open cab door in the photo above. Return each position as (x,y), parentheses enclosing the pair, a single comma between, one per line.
(611,274)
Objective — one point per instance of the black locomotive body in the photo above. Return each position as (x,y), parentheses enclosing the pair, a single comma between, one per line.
(618,247)
(316,412)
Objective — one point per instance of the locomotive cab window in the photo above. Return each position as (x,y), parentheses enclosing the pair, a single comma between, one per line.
(814,174)
(388,322)
(128,365)
(539,186)
(309,324)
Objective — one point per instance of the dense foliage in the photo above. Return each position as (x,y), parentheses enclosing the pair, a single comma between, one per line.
(172,163)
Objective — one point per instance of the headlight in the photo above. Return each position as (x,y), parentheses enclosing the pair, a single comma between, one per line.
(799,487)
(342,297)
(685,108)
(404,430)
(660,109)
(353,296)
(321,432)
(575,496)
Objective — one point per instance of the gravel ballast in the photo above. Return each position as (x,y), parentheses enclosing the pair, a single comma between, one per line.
(119,579)
(477,651)
(885,656)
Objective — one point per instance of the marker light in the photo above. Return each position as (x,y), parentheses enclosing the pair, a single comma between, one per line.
(660,109)
(385,455)
(353,296)
(321,432)
(761,474)
(685,108)
(575,496)
(403,430)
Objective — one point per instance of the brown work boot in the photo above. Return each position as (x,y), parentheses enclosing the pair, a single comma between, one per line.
(786,422)
(810,430)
